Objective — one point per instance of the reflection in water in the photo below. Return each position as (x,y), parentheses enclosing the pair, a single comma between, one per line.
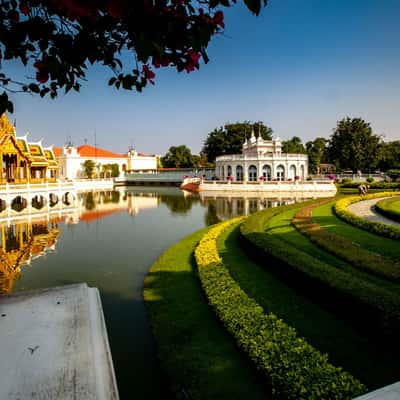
(112,239)
(24,241)
(222,208)
(21,243)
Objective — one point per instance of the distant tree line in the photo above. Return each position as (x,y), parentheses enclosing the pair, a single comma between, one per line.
(352,146)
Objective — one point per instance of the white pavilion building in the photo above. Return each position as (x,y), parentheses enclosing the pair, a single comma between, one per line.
(262,159)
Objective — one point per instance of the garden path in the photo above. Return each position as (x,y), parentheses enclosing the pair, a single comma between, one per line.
(365,209)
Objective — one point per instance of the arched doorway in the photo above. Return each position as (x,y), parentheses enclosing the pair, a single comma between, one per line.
(239,173)
(292,172)
(253,173)
(280,172)
(266,171)
(229,171)
(302,172)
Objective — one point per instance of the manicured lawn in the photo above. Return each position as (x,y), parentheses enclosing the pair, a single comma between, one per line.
(199,357)
(280,226)
(324,216)
(390,208)
(373,365)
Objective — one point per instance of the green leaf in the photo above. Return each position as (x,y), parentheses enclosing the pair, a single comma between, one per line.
(34,88)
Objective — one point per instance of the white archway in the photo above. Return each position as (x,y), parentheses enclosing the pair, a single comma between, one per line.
(280,172)
(253,173)
(239,173)
(267,172)
(292,172)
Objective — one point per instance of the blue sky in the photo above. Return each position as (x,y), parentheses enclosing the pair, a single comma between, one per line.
(299,67)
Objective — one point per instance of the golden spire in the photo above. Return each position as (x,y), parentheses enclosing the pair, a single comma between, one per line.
(5,126)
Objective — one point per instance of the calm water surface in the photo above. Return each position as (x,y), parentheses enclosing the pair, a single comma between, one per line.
(110,242)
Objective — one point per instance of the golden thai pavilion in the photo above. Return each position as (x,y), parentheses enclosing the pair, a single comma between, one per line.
(24,162)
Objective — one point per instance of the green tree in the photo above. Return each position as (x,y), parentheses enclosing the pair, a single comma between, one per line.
(178,157)
(389,155)
(89,167)
(354,146)
(316,151)
(57,40)
(293,145)
(230,138)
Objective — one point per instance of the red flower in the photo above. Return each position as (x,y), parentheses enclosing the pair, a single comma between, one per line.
(219,19)
(42,74)
(24,8)
(193,61)
(165,61)
(114,8)
(148,73)
(194,56)
(156,61)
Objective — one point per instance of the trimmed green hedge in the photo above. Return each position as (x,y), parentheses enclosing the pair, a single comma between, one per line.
(389,208)
(197,354)
(295,369)
(372,185)
(377,303)
(343,248)
(340,209)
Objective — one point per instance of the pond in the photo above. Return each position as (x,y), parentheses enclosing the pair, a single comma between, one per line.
(110,241)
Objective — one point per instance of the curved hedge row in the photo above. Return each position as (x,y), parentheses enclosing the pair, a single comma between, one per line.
(373,185)
(377,301)
(344,248)
(340,209)
(196,353)
(386,208)
(295,369)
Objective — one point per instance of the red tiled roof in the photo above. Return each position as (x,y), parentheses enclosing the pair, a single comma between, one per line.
(90,151)
(89,216)
(57,151)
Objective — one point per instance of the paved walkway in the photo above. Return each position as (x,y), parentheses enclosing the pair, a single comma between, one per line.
(365,209)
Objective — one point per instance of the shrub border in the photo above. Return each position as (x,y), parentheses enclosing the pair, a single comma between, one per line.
(189,338)
(335,244)
(340,209)
(382,208)
(296,370)
(381,306)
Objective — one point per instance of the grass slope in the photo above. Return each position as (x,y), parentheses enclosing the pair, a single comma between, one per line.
(324,216)
(280,226)
(389,208)
(199,357)
(373,364)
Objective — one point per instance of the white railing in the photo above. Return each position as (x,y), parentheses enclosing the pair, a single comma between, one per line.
(243,157)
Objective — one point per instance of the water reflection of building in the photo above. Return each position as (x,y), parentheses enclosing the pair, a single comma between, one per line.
(21,243)
(96,205)
(223,208)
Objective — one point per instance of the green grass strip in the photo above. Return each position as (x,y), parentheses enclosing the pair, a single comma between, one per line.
(341,247)
(199,357)
(389,208)
(324,216)
(382,302)
(295,369)
(340,209)
(370,361)
(280,226)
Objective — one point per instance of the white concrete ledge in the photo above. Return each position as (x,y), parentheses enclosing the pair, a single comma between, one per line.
(54,345)
(391,392)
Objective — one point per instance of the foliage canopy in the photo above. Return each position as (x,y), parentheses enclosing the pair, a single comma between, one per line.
(353,145)
(230,138)
(58,39)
